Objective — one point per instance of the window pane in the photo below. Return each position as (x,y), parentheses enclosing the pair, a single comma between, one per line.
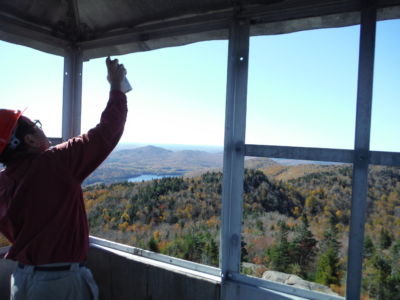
(32,80)
(385,126)
(381,268)
(161,189)
(296,223)
(178,94)
(302,88)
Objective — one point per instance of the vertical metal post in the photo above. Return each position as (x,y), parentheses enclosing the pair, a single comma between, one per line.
(233,168)
(361,149)
(72,93)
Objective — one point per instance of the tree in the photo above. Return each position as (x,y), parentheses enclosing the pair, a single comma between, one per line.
(153,245)
(379,289)
(244,254)
(385,239)
(212,253)
(328,266)
(279,254)
(382,274)
(304,245)
(369,247)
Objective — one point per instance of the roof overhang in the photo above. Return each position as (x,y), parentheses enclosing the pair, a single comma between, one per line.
(71,25)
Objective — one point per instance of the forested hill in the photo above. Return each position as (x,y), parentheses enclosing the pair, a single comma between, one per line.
(320,194)
(298,225)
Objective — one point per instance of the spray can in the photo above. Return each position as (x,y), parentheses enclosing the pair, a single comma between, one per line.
(125,85)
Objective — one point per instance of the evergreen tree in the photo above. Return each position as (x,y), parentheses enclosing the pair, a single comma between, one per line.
(244,254)
(382,280)
(395,252)
(212,253)
(385,239)
(369,247)
(328,266)
(304,245)
(153,245)
(194,246)
(279,254)
(379,287)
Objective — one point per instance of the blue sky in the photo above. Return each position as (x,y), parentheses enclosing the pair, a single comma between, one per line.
(302,90)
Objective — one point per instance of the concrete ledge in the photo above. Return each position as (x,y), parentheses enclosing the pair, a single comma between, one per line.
(125,276)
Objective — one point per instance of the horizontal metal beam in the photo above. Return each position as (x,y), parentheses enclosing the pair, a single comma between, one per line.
(300,153)
(28,34)
(321,154)
(384,158)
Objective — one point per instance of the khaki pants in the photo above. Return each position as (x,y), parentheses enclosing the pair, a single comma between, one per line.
(77,283)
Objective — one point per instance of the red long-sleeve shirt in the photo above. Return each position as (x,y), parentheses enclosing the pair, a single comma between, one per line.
(41,204)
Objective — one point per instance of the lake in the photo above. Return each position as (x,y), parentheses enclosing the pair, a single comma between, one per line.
(147,177)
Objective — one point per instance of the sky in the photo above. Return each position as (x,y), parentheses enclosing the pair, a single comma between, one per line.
(302,90)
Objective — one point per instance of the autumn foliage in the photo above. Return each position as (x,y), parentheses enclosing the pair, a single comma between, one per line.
(297,226)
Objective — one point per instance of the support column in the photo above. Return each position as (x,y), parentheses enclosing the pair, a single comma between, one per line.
(72,93)
(233,168)
(361,150)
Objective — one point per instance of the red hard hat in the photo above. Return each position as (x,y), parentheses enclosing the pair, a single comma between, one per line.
(8,122)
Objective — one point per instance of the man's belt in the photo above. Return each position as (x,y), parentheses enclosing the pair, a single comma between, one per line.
(66,267)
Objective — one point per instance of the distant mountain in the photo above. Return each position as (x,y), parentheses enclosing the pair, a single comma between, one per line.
(147,153)
(124,164)
(288,172)
(260,163)
(294,162)
(173,147)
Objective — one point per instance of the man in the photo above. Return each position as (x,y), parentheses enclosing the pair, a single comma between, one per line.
(41,204)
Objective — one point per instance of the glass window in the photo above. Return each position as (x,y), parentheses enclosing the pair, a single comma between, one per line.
(32,80)
(160,189)
(381,268)
(302,88)
(296,223)
(386,105)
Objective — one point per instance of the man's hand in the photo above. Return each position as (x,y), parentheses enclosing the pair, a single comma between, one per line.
(116,73)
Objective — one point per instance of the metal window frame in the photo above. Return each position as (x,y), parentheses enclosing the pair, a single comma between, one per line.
(235,150)
(72,93)
(233,163)
(361,149)
(361,157)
